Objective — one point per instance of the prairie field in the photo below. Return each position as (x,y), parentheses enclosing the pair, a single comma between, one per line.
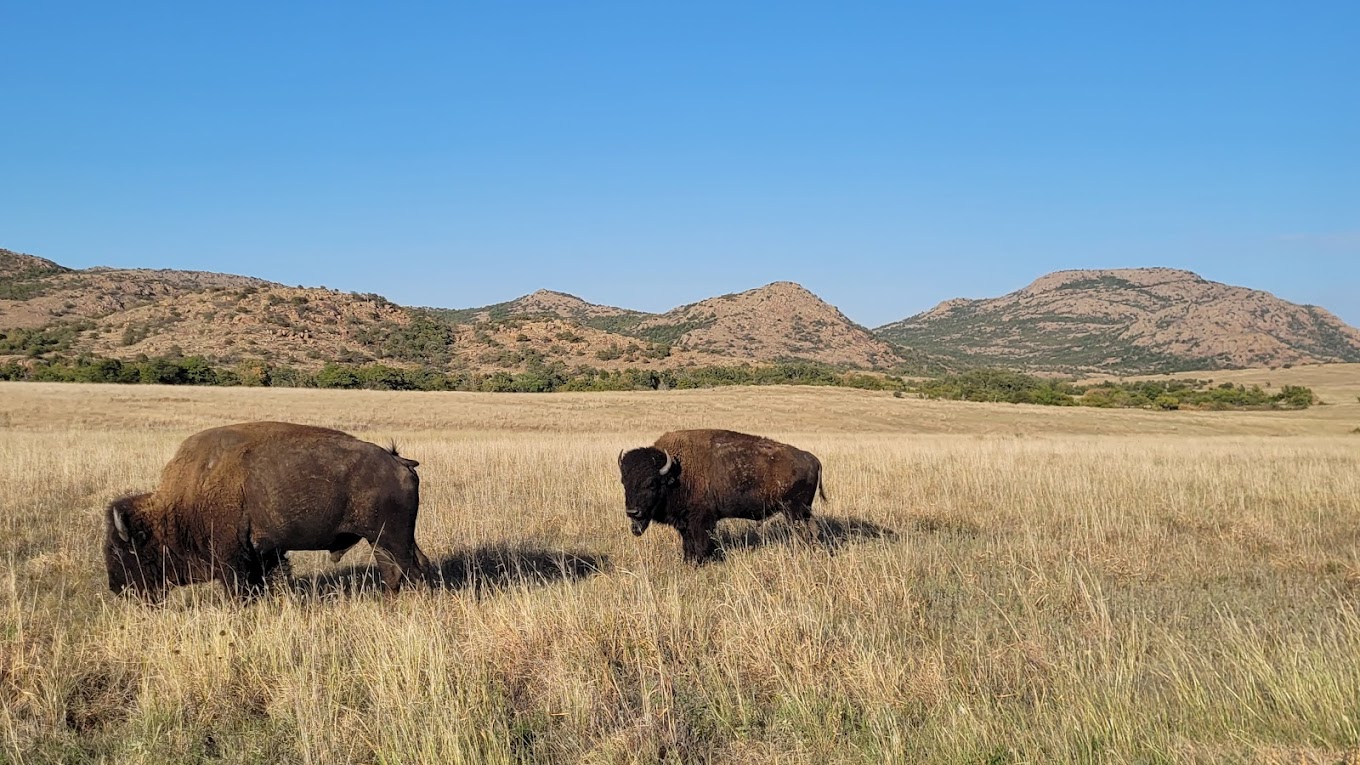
(993,584)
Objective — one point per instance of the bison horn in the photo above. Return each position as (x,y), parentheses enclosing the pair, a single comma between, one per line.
(119,525)
(670,462)
(621,457)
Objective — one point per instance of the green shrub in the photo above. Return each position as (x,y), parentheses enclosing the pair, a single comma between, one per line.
(39,341)
(382,377)
(336,376)
(1294,397)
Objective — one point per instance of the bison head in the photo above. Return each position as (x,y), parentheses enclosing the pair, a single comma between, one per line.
(133,558)
(648,475)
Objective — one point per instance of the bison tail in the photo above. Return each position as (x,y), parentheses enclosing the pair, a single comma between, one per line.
(821,491)
(407,461)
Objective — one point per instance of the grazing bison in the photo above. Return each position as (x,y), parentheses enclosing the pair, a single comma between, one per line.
(234,500)
(691,479)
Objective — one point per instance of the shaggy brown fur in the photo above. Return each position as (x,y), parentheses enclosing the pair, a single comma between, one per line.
(234,500)
(716,474)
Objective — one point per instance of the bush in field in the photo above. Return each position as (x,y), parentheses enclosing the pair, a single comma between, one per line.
(105,371)
(197,371)
(336,376)
(382,377)
(254,372)
(162,371)
(998,385)
(429,379)
(1295,397)
(1112,397)
(1048,395)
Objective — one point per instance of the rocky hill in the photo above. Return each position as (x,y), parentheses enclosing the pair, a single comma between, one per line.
(35,292)
(778,321)
(16,267)
(1113,321)
(46,310)
(540,304)
(1128,321)
(781,321)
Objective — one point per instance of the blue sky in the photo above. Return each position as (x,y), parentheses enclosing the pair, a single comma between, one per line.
(885,155)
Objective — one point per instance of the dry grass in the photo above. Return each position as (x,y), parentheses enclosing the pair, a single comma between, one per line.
(996,584)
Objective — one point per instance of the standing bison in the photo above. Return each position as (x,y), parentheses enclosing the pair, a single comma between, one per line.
(691,479)
(234,500)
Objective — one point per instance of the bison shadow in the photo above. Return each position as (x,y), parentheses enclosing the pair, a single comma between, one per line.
(832,533)
(501,566)
(482,570)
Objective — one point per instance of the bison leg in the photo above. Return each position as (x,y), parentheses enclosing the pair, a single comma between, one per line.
(244,583)
(277,568)
(801,516)
(423,562)
(242,572)
(812,529)
(696,541)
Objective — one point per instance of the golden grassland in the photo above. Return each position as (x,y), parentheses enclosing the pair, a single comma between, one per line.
(995,583)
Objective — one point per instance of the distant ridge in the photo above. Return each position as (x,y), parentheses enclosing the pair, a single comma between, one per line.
(16,266)
(126,313)
(35,292)
(1127,321)
(1132,320)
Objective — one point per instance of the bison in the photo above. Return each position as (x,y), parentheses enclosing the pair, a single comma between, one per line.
(234,500)
(691,479)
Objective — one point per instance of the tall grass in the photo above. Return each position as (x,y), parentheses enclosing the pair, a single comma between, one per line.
(974,598)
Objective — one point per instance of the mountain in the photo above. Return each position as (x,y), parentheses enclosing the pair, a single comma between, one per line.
(1114,321)
(1135,320)
(781,321)
(16,267)
(46,309)
(543,303)
(778,321)
(35,292)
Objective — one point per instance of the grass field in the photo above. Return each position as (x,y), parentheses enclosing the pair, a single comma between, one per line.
(995,584)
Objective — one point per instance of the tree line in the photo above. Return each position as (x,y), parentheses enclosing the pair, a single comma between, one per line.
(989,385)
(537,377)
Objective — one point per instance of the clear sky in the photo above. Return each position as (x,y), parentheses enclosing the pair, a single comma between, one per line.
(646,154)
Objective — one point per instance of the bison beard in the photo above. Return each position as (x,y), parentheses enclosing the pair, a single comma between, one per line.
(234,500)
(692,479)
